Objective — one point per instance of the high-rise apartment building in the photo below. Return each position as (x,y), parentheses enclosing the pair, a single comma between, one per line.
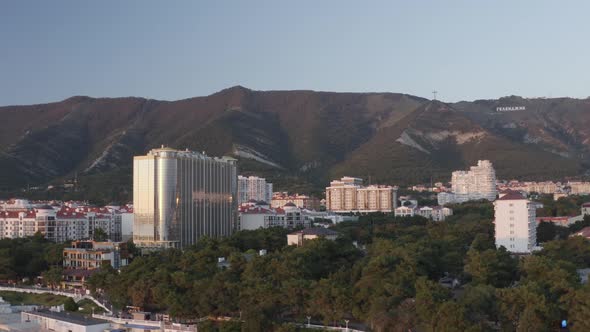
(348,194)
(515,224)
(477,183)
(253,188)
(181,196)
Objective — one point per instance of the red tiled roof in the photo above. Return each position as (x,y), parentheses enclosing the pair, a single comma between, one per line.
(586,204)
(15,214)
(585,232)
(256,210)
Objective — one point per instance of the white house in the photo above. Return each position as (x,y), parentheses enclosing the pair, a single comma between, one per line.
(406,211)
(436,213)
(515,224)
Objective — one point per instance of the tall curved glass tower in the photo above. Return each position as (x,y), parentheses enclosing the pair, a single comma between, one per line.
(181,196)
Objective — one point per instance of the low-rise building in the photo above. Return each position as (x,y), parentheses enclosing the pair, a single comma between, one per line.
(256,215)
(299,237)
(435,213)
(85,257)
(280,199)
(406,211)
(64,321)
(564,221)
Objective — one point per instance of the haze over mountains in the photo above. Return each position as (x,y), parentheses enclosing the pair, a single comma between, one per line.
(311,136)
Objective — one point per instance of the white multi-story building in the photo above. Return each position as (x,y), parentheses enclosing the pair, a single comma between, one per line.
(515,224)
(60,223)
(349,195)
(477,183)
(253,188)
(254,216)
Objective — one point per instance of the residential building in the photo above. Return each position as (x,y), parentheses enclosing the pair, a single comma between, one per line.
(579,188)
(349,195)
(59,222)
(477,183)
(64,321)
(83,258)
(515,224)
(406,211)
(299,237)
(92,255)
(255,216)
(253,188)
(181,196)
(435,213)
(279,199)
(564,221)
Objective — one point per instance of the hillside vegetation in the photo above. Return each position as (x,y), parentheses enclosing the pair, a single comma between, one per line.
(294,137)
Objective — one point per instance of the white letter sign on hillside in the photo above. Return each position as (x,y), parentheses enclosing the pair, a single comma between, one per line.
(510,108)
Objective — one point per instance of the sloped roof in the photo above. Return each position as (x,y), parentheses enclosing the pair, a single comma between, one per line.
(512,195)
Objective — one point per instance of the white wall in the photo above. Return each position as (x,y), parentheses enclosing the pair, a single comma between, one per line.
(251,221)
(126,226)
(515,225)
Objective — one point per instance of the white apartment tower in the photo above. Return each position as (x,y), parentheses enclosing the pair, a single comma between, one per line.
(253,188)
(515,225)
(477,183)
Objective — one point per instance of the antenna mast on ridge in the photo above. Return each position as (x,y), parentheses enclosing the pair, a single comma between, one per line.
(434,92)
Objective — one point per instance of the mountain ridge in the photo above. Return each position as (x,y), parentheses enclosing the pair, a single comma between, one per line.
(299,136)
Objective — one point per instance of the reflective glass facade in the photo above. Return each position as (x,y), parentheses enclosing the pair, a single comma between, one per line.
(181,196)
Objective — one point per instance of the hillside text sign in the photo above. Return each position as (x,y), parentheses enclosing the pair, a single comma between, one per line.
(510,108)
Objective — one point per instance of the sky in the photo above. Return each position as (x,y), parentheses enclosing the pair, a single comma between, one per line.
(465,50)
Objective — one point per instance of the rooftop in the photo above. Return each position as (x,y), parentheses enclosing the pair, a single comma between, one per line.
(319,231)
(512,195)
(68,317)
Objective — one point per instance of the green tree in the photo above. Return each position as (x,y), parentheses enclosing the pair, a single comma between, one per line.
(100,235)
(575,249)
(450,317)
(53,276)
(578,303)
(70,305)
(491,267)
(479,302)
(429,296)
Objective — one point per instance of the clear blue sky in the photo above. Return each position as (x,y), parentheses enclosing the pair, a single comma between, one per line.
(50,50)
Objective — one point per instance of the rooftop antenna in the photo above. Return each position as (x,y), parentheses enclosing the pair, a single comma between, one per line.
(434,92)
